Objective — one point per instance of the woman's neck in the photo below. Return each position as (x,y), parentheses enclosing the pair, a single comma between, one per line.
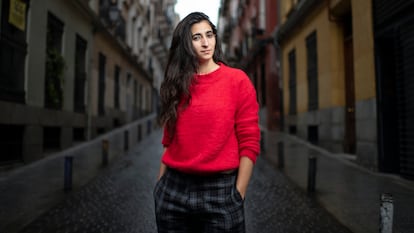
(207,67)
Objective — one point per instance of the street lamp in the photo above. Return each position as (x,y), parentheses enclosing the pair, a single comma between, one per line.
(113,13)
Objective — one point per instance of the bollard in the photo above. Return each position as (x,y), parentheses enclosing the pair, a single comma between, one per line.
(68,173)
(149,125)
(262,142)
(139,133)
(280,155)
(311,174)
(126,140)
(105,148)
(386,213)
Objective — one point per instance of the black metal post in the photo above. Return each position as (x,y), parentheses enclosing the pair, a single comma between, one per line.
(311,174)
(386,213)
(262,142)
(139,133)
(126,140)
(68,173)
(105,148)
(149,125)
(280,155)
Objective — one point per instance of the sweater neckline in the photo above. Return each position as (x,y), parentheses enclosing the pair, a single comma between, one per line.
(211,75)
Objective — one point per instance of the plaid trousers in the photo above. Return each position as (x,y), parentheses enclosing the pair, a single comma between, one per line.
(196,204)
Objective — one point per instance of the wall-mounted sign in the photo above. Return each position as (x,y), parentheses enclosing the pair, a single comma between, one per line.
(17,14)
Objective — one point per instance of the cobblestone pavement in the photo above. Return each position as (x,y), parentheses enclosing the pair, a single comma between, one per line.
(120,200)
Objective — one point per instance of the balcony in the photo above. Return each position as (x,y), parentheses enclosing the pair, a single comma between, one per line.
(112,18)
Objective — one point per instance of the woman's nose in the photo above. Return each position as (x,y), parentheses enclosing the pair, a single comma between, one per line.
(204,41)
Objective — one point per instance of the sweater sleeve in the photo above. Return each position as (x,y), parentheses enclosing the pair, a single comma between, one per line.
(247,120)
(165,138)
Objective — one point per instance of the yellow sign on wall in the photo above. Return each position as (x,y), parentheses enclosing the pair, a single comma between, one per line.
(17,14)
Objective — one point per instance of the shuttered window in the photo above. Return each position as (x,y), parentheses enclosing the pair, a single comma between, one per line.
(385,10)
(312,71)
(405,98)
(117,86)
(394,33)
(292,83)
(101,84)
(80,74)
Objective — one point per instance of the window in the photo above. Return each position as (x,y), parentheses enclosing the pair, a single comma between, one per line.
(262,14)
(148,15)
(263,83)
(11,142)
(79,134)
(101,85)
(117,86)
(313,135)
(292,82)
(312,71)
(12,55)
(140,100)
(292,129)
(80,74)
(55,64)
(135,109)
(51,139)
(135,93)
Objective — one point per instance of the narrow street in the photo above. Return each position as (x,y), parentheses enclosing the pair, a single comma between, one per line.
(83,82)
(120,201)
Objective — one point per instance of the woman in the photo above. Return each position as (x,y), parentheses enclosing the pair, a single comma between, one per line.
(211,136)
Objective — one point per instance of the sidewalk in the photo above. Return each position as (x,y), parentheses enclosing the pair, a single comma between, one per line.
(29,191)
(348,191)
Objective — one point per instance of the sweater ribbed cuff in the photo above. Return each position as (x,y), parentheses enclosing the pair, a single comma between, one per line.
(249,154)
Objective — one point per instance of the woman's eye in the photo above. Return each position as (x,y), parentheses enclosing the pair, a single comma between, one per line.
(196,37)
(210,35)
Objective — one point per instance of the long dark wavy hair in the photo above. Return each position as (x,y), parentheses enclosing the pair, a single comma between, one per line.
(181,68)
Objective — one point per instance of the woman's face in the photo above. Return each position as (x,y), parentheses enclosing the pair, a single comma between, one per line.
(204,41)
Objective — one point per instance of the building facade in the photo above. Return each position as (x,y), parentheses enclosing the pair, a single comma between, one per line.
(335,73)
(329,75)
(72,70)
(247,28)
(346,78)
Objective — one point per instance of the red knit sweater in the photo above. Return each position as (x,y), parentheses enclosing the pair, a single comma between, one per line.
(218,126)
